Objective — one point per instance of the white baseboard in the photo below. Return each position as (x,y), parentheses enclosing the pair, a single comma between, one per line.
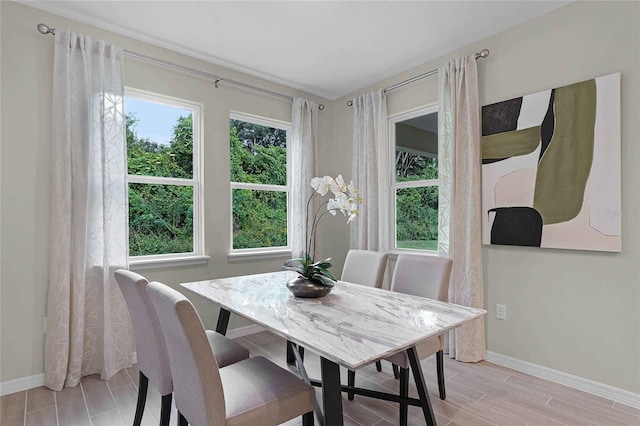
(21,384)
(596,388)
(244,331)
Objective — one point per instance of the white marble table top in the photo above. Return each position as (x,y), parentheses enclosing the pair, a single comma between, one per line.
(353,325)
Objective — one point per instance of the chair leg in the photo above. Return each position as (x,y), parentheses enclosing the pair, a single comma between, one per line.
(165,410)
(396,371)
(404,392)
(352,382)
(143,385)
(307,419)
(378,366)
(181,420)
(440,367)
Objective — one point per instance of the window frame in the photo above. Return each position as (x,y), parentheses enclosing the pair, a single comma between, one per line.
(394,186)
(197,255)
(261,252)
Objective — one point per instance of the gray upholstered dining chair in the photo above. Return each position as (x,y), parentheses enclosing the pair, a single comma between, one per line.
(424,276)
(364,267)
(254,391)
(151,351)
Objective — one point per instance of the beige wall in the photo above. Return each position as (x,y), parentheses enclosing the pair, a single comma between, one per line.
(573,311)
(27,59)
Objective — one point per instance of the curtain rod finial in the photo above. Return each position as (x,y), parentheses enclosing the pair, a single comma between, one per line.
(483,53)
(45,29)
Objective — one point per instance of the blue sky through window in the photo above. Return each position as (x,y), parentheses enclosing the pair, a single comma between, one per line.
(155,121)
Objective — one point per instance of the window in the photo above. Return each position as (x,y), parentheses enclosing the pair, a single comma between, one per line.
(259,183)
(414,184)
(163,140)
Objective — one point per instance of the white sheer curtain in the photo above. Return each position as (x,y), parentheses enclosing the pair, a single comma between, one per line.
(459,200)
(304,129)
(370,171)
(88,328)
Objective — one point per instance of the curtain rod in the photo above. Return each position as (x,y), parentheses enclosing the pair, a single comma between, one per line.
(45,29)
(482,54)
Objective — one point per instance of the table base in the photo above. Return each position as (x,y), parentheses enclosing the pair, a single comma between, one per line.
(331,413)
(334,405)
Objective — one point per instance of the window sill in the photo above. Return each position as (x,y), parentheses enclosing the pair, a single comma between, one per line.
(393,254)
(142,264)
(259,254)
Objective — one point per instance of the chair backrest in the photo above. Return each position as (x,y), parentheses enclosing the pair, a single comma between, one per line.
(151,350)
(425,276)
(197,387)
(365,267)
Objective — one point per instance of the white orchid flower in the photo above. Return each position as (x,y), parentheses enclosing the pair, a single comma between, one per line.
(340,185)
(352,189)
(352,208)
(341,203)
(320,185)
(334,205)
(331,183)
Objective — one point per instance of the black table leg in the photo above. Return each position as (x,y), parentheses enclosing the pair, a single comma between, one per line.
(418,377)
(291,360)
(223,321)
(331,393)
(404,392)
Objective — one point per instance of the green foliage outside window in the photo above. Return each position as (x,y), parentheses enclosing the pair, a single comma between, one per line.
(259,219)
(416,208)
(160,216)
(258,155)
(160,219)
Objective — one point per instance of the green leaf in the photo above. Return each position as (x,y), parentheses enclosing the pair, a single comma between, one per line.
(329,275)
(291,262)
(297,269)
(323,264)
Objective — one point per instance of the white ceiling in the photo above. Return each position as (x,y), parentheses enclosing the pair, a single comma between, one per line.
(328,48)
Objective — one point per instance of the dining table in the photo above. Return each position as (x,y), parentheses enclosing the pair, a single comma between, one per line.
(352,326)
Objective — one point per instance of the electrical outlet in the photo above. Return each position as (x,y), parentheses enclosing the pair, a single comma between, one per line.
(501,312)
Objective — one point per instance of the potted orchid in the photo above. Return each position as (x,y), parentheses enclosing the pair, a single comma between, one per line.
(315,279)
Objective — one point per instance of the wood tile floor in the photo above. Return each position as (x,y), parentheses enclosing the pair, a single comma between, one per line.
(477,395)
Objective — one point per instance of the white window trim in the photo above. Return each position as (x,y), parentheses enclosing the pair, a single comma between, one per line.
(262,252)
(240,255)
(394,186)
(197,256)
(166,261)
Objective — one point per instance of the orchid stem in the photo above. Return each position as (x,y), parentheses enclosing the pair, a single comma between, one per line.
(315,225)
(312,238)
(306,224)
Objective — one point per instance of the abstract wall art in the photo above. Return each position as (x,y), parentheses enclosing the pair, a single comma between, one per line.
(551,168)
